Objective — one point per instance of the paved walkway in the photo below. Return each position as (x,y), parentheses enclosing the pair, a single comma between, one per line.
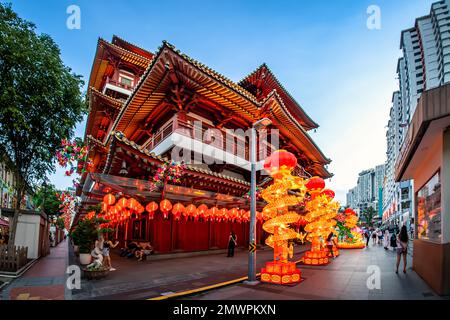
(45,280)
(344,278)
(147,279)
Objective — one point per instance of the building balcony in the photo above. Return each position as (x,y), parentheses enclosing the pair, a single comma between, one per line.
(213,144)
(117,89)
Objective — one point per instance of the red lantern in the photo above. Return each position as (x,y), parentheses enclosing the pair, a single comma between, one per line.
(190,210)
(151,206)
(104,207)
(233,213)
(201,210)
(123,202)
(223,213)
(213,212)
(177,210)
(315,184)
(328,192)
(109,199)
(280,160)
(165,207)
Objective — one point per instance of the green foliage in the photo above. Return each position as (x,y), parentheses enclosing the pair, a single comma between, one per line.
(60,223)
(40,98)
(85,235)
(368,216)
(45,199)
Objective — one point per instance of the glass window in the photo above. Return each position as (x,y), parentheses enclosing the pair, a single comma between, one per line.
(125,81)
(429,210)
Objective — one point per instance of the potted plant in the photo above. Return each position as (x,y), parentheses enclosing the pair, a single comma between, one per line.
(86,233)
(75,239)
(95,272)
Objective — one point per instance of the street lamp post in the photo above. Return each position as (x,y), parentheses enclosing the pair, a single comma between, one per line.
(252,236)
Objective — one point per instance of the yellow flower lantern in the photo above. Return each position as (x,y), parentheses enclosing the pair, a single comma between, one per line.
(280,165)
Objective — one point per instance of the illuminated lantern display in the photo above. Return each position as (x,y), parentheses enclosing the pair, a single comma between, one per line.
(191,210)
(280,165)
(350,236)
(109,199)
(178,210)
(104,207)
(213,212)
(321,209)
(201,210)
(123,202)
(165,207)
(151,207)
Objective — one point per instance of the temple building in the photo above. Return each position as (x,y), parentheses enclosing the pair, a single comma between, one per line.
(146,108)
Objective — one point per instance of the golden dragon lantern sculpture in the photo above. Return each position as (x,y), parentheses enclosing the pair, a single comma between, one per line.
(350,235)
(321,210)
(286,191)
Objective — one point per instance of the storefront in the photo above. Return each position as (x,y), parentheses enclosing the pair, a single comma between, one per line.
(425,157)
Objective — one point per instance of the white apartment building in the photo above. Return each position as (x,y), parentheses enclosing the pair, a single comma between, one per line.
(424,65)
(368,190)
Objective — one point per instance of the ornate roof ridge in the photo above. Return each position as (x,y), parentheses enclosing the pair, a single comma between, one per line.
(115,101)
(264,65)
(293,120)
(122,49)
(138,84)
(215,74)
(132,44)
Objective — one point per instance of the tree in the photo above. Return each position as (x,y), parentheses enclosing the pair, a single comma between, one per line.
(40,102)
(368,216)
(45,199)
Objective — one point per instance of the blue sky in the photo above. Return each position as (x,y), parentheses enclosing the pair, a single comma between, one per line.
(342,73)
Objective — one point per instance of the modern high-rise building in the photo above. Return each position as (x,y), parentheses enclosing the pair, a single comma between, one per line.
(367,191)
(424,65)
(417,178)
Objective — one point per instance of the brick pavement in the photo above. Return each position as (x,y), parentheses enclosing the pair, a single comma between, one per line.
(45,280)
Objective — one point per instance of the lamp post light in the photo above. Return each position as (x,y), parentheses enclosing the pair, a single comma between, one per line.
(252,236)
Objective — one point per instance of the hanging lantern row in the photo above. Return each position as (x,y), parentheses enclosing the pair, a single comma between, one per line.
(117,211)
(179,210)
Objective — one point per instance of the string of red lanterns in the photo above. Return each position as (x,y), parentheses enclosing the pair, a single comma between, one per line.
(119,210)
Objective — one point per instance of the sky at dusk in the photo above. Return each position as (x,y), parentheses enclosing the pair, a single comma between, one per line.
(341,72)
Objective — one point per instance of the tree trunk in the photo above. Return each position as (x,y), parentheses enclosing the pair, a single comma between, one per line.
(15,219)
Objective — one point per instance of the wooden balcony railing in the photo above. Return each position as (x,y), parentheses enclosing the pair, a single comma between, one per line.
(237,145)
(116,83)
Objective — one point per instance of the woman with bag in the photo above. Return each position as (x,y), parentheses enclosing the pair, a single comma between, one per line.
(402,247)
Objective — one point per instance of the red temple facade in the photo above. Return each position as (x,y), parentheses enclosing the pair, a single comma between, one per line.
(143,105)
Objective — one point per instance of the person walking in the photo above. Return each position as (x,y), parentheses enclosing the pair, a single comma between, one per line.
(330,244)
(386,239)
(367,235)
(393,241)
(232,243)
(402,250)
(380,237)
(374,237)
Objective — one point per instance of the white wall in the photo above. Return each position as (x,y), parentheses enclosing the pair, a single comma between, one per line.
(27,233)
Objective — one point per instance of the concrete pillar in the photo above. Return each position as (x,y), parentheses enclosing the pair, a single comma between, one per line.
(445,188)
